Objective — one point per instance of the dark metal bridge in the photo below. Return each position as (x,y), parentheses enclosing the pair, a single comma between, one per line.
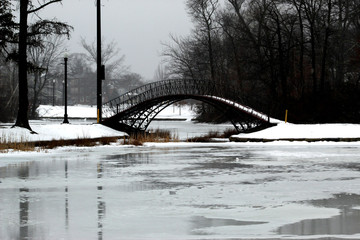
(134,110)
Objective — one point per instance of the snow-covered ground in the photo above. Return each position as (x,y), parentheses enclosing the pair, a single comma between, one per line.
(55,130)
(279,132)
(47,131)
(284,131)
(85,128)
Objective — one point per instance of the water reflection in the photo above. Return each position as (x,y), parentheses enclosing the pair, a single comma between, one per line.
(126,160)
(66,197)
(24,213)
(347,223)
(23,173)
(100,202)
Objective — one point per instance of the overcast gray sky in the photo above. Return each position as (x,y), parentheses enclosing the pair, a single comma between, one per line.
(138,26)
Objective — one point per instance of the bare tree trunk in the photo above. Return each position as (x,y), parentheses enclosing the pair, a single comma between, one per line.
(325,48)
(22,117)
(282,66)
(211,54)
(302,47)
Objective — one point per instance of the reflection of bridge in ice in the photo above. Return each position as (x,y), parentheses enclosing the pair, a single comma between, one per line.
(134,110)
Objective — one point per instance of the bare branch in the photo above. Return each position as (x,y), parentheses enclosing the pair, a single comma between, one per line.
(42,6)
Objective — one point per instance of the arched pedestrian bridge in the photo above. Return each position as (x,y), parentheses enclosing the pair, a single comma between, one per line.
(134,110)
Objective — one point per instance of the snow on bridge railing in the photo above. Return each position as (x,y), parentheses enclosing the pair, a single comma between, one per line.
(246,109)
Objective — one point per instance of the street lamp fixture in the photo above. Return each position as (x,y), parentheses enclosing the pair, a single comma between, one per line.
(65,89)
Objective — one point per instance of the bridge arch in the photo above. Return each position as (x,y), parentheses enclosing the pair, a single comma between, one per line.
(134,110)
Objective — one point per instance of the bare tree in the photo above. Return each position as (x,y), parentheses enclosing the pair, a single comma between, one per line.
(43,60)
(111,58)
(8,87)
(180,57)
(161,73)
(203,13)
(28,34)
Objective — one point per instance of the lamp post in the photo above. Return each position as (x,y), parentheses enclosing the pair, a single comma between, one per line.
(65,89)
(98,62)
(53,92)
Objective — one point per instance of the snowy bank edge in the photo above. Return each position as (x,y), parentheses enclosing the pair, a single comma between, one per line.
(303,132)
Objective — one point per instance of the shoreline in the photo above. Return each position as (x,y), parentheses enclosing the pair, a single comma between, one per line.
(310,140)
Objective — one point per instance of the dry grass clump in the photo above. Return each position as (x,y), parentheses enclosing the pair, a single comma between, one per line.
(17,146)
(229,132)
(80,142)
(157,135)
(12,142)
(209,137)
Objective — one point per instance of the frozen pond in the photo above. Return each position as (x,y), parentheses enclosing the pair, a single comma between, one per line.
(182,191)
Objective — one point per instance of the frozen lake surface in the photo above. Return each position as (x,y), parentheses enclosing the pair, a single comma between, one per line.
(183,191)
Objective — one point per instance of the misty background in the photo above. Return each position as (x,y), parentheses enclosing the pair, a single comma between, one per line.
(139,27)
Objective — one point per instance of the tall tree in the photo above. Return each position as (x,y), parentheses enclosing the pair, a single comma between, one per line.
(27,35)
(203,13)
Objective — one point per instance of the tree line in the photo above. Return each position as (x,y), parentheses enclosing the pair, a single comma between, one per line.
(301,55)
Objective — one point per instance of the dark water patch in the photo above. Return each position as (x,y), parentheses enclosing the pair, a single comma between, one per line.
(221,164)
(212,206)
(200,222)
(127,160)
(261,180)
(346,223)
(340,201)
(171,185)
(355,166)
(224,165)
(339,179)
(154,185)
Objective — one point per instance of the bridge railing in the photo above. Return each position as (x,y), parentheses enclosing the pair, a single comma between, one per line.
(161,89)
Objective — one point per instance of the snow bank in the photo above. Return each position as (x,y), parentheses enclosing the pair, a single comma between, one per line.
(304,131)
(57,131)
(77,111)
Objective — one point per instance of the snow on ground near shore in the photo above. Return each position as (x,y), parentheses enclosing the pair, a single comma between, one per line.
(308,131)
(47,130)
(56,131)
